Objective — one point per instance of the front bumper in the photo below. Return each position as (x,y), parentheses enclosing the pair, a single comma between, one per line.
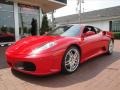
(43,64)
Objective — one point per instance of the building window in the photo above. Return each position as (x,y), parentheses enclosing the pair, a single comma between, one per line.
(26,16)
(7,25)
(116,26)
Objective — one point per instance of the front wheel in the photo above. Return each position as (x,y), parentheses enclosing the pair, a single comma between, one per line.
(110,47)
(71,60)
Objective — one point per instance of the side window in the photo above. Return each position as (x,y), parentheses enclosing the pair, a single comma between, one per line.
(97,30)
(89,31)
(89,28)
(86,29)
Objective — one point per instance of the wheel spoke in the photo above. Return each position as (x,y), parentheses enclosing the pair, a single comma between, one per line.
(75,56)
(67,63)
(71,54)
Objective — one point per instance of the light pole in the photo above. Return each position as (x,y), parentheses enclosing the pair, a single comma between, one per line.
(80,4)
(80,11)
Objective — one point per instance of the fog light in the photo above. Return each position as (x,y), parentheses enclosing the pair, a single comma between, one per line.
(20,66)
(26,66)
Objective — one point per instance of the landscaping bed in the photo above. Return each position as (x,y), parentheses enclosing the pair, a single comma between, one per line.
(116,35)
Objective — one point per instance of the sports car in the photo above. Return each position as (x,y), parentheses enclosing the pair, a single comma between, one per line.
(61,50)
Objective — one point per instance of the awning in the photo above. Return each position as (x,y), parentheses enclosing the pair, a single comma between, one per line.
(45,5)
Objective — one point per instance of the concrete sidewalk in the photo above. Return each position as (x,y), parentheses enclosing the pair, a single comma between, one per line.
(101,73)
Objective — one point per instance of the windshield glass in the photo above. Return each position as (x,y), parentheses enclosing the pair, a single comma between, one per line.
(71,31)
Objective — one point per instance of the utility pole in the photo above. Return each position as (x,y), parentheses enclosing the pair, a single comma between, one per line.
(80,6)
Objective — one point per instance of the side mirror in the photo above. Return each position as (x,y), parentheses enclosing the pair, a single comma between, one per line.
(89,33)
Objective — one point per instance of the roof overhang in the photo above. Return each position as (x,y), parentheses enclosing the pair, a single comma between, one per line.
(83,21)
(45,5)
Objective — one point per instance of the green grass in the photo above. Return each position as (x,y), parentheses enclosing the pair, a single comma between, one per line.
(116,35)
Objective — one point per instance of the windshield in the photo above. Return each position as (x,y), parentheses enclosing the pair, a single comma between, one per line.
(71,31)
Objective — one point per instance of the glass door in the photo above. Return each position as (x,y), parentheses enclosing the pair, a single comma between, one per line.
(7,25)
(28,20)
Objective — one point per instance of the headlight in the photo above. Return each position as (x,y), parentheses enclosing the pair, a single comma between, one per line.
(44,47)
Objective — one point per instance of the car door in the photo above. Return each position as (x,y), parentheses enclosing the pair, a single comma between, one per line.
(90,44)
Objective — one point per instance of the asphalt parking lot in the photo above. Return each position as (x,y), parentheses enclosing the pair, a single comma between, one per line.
(100,73)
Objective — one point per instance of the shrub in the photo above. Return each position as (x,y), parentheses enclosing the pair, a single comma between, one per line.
(116,35)
(45,26)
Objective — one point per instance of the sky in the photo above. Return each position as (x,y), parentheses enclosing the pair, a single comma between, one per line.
(89,5)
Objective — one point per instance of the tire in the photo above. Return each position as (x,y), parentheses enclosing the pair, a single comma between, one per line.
(71,60)
(110,47)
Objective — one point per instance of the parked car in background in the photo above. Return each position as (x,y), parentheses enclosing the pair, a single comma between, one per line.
(7,38)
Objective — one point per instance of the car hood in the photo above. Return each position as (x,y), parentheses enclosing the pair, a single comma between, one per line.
(26,45)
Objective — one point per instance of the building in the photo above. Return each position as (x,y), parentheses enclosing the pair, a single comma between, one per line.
(16,16)
(106,19)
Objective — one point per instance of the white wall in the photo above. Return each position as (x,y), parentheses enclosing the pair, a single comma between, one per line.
(104,25)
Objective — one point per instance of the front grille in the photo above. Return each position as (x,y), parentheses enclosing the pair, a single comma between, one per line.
(26,66)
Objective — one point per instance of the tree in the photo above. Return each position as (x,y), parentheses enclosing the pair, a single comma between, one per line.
(45,27)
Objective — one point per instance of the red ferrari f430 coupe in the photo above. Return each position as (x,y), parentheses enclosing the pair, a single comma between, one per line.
(61,50)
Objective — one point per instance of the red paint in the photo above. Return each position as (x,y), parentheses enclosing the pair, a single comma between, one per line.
(49,61)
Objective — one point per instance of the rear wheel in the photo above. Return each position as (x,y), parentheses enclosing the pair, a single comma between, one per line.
(71,60)
(110,47)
